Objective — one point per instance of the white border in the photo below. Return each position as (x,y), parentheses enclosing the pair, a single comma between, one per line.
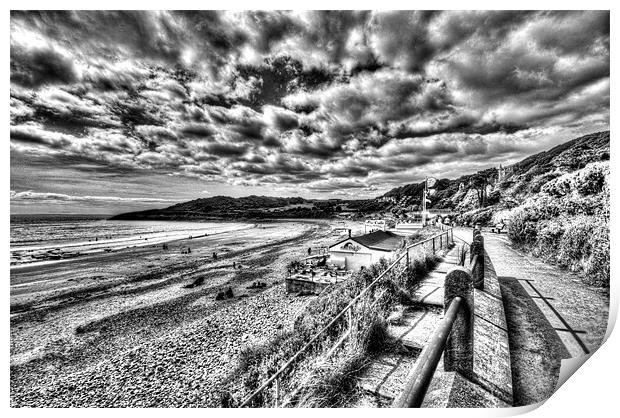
(593,388)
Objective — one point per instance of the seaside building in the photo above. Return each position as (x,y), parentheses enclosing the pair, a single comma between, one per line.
(372,225)
(355,252)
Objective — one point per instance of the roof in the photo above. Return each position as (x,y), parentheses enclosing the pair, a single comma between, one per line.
(378,240)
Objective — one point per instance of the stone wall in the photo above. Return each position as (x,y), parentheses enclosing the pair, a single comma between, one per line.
(306,286)
(476,362)
(491,365)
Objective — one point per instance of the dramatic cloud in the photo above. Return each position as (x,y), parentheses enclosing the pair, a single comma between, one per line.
(330,103)
(57,197)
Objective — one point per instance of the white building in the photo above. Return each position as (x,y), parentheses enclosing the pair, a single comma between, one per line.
(355,252)
(372,225)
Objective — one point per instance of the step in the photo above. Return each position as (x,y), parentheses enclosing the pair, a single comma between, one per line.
(434,277)
(415,327)
(386,376)
(428,294)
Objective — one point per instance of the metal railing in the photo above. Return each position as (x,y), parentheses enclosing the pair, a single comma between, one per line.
(458,290)
(415,389)
(437,242)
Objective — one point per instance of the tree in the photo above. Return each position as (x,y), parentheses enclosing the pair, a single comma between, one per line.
(479,182)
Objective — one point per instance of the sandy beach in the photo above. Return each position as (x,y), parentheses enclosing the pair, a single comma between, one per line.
(123,329)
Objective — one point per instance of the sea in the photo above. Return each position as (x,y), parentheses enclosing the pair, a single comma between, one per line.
(36,238)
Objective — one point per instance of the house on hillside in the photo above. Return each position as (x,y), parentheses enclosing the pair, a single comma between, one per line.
(355,252)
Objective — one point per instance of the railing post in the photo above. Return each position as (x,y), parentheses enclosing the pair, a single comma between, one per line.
(277,394)
(350,318)
(407,261)
(458,354)
(475,233)
(477,258)
(433,245)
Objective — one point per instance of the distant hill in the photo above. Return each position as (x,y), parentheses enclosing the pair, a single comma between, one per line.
(217,206)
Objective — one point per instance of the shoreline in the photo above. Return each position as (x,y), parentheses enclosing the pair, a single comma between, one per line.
(101,246)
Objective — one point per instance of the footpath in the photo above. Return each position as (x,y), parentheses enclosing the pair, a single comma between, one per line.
(551,315)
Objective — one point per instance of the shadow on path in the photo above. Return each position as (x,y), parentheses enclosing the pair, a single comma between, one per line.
(535,347)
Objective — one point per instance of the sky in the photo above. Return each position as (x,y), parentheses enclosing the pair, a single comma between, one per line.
(117,111)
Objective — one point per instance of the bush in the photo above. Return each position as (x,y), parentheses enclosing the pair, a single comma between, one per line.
(482,216)
(591,179)
(597,266)
(538,182)
(549,234)
(587,181)
(571,230)
(575,245)
(521,228)
(559,187)
(494,197)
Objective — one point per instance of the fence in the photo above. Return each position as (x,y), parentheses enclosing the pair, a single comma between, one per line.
(395,270)
(453,337)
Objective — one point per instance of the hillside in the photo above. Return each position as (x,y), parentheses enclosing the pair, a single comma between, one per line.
(252,207)
(556,206)
(218,206)
(519,181)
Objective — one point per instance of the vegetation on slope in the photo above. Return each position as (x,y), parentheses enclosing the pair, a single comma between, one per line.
(253,207)
(567,222)
(329,382)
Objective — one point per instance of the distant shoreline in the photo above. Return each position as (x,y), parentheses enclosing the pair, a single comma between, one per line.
(222,218)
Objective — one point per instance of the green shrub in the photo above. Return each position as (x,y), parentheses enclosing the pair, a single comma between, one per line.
(597,266)
(494,197)
(559,187)
(521,229)
(591,179)
(482,216)
(575,246)
(538,182)
(549,234)
(587,181)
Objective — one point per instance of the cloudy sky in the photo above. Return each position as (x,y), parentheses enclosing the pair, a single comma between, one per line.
(115,111)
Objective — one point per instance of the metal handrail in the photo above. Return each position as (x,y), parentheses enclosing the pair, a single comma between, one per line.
(415,389)
(341,314)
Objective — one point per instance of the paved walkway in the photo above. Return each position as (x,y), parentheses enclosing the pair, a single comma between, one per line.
(551,315)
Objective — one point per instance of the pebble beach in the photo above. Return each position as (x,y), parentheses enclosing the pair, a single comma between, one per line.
(128,329)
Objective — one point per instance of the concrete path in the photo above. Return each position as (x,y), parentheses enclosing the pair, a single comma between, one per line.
(430,290)
(551,315)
